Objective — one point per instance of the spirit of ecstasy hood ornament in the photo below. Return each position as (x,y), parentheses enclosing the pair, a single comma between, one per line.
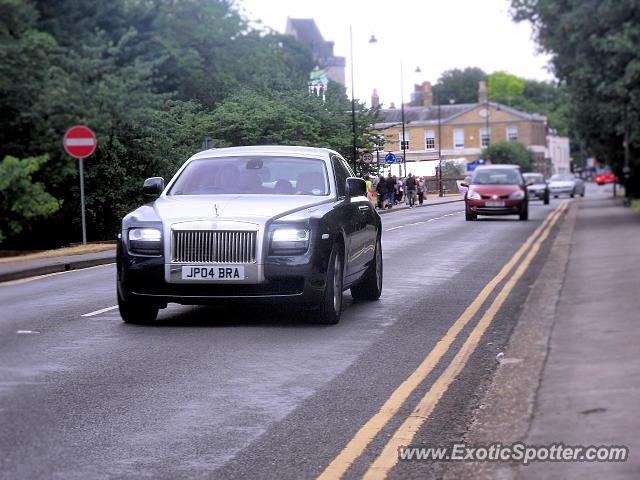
(215,206)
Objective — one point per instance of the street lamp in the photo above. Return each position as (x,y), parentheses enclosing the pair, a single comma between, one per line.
(404,143)
(353,97)
(452,100)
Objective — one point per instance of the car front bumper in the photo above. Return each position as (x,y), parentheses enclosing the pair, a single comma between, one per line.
(511,207)
(297,279)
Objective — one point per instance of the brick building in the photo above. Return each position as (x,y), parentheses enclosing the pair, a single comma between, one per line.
(457,131)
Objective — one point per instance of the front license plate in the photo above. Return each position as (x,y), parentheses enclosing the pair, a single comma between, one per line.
(212,272)
(495,204)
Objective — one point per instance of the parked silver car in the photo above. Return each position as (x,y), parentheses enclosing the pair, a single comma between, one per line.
(566,184)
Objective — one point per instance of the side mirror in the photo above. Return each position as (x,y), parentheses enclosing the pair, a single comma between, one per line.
(464,184)
(355,187)
(153,186)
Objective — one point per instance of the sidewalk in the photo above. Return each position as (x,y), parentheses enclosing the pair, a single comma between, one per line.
(431,200)
(43,266)
(571,372)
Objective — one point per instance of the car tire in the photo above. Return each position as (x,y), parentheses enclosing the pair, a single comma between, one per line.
(546,199)
(370,288)
(468,216)
(330,307)
(525,214)
(572,194)
(582,194)
(136,312)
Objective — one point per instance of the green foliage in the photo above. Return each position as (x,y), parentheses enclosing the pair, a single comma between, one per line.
(451,169)
(513,153)
(503,87)
(462,85)
(594,47)
(22,200)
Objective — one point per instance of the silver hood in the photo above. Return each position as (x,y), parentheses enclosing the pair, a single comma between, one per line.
(255,208)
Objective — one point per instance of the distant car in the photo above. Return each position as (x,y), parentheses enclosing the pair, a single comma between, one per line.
(277,224)
(537,187)
(604,175)
(497,190)
(566,184)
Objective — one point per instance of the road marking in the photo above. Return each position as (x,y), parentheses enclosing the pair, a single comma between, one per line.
(98,312)
(356,446)
(26,332)
(421,222)
(405,433)
(38,277)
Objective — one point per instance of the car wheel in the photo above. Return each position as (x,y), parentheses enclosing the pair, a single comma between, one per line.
(572,194)
(370,288)
(468,216)
(525,214)
(331,303)
(582,194)
(546,199)
(555,196)
(136,312)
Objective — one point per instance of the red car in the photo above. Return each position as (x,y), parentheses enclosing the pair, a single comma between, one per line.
(605,175)
(497,190)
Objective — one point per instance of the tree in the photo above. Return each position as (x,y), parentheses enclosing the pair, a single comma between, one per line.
(513,153)
(459,84)
(503,87)
(22,200)
(594,47)
(452,169)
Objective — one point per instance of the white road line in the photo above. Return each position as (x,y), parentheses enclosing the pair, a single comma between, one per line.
(98,312)
(422,222)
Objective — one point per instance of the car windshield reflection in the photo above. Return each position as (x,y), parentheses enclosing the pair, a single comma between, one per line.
(497,177)
(265,175)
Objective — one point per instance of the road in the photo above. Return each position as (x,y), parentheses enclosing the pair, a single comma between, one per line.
(255,392)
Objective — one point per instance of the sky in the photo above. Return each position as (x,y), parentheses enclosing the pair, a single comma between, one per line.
(434,35)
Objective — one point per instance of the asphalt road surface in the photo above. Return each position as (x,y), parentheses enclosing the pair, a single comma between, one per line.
(258,392)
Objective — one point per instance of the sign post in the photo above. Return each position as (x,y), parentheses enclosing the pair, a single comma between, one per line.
(80,142)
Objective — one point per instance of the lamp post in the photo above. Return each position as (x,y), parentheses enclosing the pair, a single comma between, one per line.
(353,98)
(452,100)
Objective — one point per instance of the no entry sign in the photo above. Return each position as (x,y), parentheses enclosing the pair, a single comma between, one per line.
(79,141)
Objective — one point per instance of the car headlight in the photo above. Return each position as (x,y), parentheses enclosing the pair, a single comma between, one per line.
(147,241)
(517,195)
(288,241)
(473,195)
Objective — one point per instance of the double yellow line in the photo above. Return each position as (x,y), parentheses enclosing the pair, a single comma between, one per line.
(405,433)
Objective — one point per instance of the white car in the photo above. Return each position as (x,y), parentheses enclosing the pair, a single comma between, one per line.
(566,184)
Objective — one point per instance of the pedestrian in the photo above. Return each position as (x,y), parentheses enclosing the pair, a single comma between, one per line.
(411,190)
(399,189)
(391,190)
(422,190)
(370,191)
(381,189)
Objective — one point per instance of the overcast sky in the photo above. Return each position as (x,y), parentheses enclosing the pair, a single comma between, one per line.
(435,35)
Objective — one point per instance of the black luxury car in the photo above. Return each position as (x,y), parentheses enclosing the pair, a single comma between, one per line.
(268,223)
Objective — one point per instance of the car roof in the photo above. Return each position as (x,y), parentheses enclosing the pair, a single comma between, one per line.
(291,150)
(497,167)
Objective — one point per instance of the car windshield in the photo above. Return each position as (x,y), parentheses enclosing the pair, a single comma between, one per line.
(562,178)
(534,177)
(497,176)
(603,169)
(260,175)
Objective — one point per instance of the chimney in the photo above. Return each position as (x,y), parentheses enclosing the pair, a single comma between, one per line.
(427,96)
(482,92)
(375,99)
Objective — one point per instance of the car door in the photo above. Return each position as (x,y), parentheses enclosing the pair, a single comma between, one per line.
(349,217)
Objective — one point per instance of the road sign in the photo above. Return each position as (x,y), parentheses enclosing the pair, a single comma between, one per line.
(80,141)
(390,158)
(367,158)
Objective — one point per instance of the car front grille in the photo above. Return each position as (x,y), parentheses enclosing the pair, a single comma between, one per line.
(213,246)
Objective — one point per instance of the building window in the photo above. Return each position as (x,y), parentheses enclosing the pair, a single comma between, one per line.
(458,138)
(429,140)
(512,134)
(404,141)
(485,137)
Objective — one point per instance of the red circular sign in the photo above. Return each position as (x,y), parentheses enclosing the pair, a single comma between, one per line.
(79,141)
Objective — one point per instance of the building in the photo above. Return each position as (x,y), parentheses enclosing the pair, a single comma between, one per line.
(308,34)
(558,153)
(457,131)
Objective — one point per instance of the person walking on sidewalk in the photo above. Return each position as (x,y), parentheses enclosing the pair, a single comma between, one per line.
(422,190)
(391,190)
(381,189)
(411,190)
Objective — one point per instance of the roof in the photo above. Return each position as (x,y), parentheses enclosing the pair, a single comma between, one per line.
(429,115)
(293,150)
(501,166)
